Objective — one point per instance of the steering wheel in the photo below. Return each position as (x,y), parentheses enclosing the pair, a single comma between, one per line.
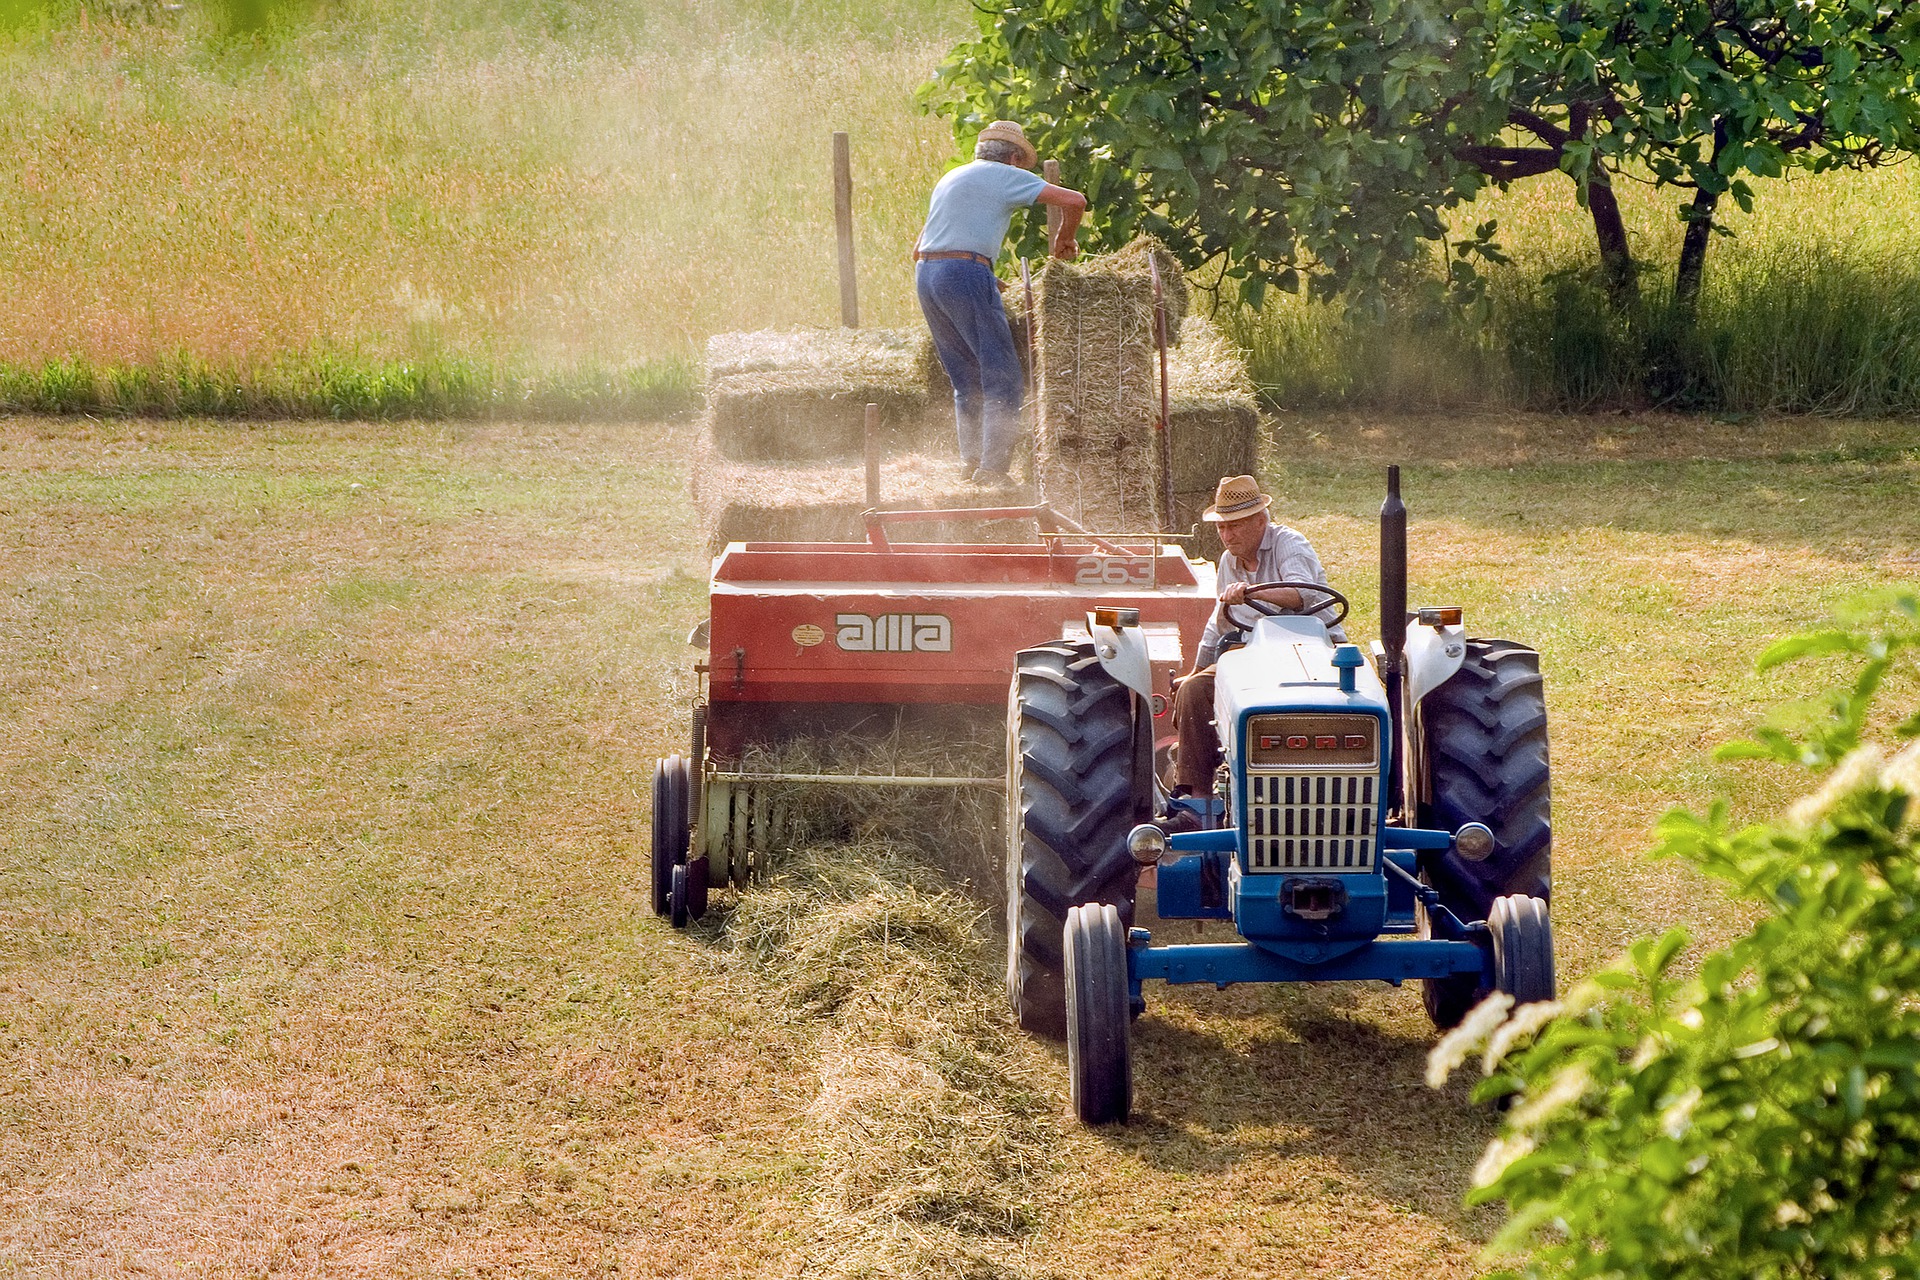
(1271,610)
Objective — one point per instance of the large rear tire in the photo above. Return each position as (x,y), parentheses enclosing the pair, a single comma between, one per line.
(1485,740)
(1099,1053)
(1075,787)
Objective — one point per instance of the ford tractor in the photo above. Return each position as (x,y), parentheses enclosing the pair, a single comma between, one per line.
(1376,816)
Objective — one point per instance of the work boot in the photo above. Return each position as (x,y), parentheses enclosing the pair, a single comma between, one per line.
(997,480)
(966,471)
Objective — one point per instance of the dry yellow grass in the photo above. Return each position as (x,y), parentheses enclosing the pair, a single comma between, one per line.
(395,183)
(322,946)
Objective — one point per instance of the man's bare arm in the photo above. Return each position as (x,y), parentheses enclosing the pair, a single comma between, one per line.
(1071,205)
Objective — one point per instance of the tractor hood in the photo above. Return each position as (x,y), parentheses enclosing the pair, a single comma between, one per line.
(1287,665)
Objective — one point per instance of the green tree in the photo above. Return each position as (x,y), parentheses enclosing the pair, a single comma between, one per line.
(1336,140)
(1701,95)
(1761,1119)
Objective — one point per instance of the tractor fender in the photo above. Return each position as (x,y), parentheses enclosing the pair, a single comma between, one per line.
(1433,654)
(1123,654)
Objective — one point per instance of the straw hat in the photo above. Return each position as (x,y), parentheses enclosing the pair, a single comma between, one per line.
(1009,131)
(1237,498)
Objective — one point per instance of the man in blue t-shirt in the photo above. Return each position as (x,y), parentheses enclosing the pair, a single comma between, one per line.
(966,225)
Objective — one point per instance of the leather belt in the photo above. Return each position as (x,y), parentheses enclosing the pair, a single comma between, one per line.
(944,255)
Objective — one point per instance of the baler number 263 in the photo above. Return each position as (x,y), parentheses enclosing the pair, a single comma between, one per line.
(1113,571)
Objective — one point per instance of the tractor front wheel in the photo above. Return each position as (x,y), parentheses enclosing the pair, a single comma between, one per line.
(1076,783)
(1099,1056)
(1522,948)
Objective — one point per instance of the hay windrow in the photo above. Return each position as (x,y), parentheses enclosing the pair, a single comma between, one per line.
(934,1119)
(931,1123)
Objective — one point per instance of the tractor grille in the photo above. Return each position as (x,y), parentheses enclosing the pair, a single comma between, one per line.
(1311,822)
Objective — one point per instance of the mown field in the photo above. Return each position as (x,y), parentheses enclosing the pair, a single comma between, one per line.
(538,209)
(323,948)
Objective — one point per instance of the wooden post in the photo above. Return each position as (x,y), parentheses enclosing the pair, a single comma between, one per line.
(873,455)
(1050,170)
(843,224)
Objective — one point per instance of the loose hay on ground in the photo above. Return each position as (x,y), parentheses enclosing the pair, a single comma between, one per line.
(931,1122)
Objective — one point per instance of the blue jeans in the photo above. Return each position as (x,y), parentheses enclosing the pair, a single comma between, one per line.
(961,301)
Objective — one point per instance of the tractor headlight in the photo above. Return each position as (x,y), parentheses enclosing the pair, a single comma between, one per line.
(1146,843)
(1474,841)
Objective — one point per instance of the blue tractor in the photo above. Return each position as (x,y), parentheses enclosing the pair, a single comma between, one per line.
(1381,817)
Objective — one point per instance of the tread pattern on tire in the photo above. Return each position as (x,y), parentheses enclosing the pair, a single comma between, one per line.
(1099,1056)
(1486,751)
(1072,778)
(1523,948)
(669,828)
(1486,740)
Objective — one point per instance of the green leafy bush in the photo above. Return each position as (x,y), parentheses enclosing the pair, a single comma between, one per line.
(1762,1118)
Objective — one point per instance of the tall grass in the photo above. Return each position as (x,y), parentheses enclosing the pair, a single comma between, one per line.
(476,197)
(1811,306)
(543,186)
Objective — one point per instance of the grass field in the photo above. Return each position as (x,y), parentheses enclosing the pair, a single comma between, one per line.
(322,942)
(542,203)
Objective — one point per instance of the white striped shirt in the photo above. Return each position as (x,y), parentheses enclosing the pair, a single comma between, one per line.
(1283,556)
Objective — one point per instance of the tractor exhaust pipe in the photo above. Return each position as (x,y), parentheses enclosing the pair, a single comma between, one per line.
(1393,623)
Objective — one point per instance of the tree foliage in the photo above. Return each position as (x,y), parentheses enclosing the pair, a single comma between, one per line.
(1292,141)
(1334,140)
(1761,1119)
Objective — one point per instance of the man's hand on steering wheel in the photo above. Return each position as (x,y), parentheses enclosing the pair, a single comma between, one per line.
(1249,598)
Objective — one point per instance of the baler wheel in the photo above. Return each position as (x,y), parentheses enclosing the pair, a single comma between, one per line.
(677,897)
(1522,948)
(1099,1056)
(1074,789)
(670,827)
(1485,733)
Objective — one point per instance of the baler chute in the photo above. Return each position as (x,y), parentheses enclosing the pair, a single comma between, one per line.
(810,639)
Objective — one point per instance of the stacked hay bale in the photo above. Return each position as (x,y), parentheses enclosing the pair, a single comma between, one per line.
(801,395)
(1096,385)
(823,502)
(779,456)
(1098,389)
(1213,420)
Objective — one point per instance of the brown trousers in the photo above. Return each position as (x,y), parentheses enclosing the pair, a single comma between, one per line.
(1199,744)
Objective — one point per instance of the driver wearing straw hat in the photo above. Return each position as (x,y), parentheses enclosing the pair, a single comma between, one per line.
(967,223)
(1257,550)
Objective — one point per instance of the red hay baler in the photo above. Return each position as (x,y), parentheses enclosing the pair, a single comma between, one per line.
(806,638)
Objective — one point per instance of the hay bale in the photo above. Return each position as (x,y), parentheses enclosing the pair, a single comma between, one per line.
(1213,420)
(802,394)
(796,502)
(1097,388)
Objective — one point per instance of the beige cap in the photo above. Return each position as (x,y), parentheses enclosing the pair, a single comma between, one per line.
(1237,498)
(1009,131)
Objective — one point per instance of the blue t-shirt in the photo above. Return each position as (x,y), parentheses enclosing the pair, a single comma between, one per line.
(973,204)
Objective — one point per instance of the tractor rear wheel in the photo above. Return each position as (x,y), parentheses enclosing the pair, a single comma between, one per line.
(1075,787)
(1485,740)
(1099,1056)
(671,823)
(1522,948)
